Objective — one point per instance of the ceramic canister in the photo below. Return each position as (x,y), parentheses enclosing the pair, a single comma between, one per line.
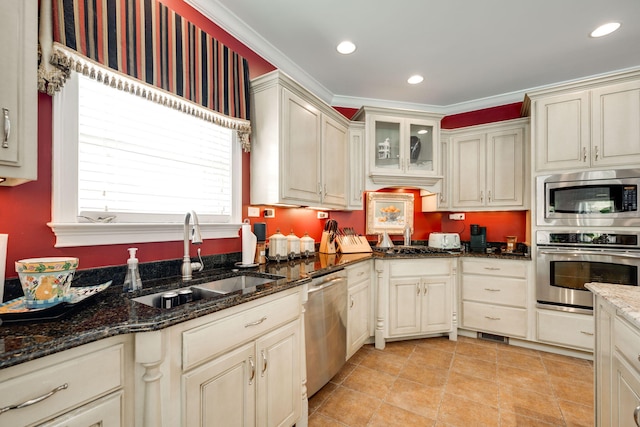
(277,247)
(293,245)
(307,245)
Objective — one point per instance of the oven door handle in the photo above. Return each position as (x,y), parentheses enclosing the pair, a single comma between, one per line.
(609,253)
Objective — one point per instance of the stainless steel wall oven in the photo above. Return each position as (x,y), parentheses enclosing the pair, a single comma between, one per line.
(566,260)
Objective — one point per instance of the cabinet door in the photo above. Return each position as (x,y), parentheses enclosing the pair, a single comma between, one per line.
(626,393)
(418,147)
(334,163)
(356,183)
(105,412)
(18,90)
(301,150)
(616,125)
(562,134)
(385,144)
(404,306)
(505,168)
(436,304)
(358,317)
(278,375)
(222,392)
(469,170)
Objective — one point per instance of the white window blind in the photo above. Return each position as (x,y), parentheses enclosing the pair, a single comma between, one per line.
(145,162)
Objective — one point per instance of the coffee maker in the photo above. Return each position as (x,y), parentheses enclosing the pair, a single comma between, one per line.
(478,239)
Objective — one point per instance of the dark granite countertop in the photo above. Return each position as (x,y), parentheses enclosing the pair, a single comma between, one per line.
(113,313)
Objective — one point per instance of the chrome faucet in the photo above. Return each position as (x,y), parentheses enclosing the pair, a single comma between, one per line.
(196,239)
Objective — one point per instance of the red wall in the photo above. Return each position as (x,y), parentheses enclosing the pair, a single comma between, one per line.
(25,210)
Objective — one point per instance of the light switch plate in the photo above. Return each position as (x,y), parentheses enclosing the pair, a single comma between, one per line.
(269,213)
(322,215)
(456,216)
(253,212)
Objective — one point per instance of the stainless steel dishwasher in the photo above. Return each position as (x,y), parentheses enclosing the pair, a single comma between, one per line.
(325,329)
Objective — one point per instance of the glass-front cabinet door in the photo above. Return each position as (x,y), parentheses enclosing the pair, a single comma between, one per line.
(402,145)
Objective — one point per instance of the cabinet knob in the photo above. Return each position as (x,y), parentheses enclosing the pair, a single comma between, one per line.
(584,154)
(352,302)
(596,152)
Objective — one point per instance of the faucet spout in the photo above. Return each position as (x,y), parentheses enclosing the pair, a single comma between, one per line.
(194,235)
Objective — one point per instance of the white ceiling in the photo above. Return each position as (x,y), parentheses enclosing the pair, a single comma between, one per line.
(472,53)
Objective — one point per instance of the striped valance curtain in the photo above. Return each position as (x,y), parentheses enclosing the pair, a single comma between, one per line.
(149,42)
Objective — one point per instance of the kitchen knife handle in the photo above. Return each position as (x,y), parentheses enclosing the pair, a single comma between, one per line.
(7,128)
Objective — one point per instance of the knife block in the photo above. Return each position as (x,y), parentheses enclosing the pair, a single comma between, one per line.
(327,245)
(353,244)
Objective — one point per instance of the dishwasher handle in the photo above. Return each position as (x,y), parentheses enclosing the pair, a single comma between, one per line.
(323,284)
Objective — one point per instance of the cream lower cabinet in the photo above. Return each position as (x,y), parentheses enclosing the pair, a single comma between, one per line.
(256,384)
(488,166)
(494,296)
(415,297)
(359,306)
(617,366)
(573,330)
(86,386)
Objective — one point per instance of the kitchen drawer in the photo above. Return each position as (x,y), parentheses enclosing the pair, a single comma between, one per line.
(420,267)
(105,412)
(566,329)
(359,272)
(493,318)
(495,267)
(87,377)
(627,342)
(206,341)
(495,290)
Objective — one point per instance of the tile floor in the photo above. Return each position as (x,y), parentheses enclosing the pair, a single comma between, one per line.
(442,383)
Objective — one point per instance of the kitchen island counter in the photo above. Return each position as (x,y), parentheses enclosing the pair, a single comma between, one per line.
(626,299)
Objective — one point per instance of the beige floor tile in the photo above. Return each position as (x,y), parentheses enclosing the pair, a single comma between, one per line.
(431,376)
(439,343)
(319,420)
(480,351)
(510,419)
(531,362)
(369,381)
(473,388)
(475,367)
(573,391)
(386,362)
(389,415)
(414,397)
(431,357)
(350,407)
(577,415)
(550,357)
(400,348)
(539,406)
(318,399)
(524,379)
(360,354)
(456,411)
(343,373)
(568,370)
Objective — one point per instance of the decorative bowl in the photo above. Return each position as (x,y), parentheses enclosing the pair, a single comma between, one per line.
(46,281)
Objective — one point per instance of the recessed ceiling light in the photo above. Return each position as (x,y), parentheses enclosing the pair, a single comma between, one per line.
(346,47)
(605,29)
(414,80)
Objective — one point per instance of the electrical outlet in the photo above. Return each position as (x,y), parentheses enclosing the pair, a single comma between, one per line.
(456,216)
(253,212)
(323,215)
(269,213)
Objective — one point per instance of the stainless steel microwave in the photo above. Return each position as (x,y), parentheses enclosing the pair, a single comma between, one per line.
(607,198)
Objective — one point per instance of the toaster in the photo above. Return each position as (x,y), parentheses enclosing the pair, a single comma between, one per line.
(444,240)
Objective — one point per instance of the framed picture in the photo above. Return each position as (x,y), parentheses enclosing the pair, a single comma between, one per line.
(389,212)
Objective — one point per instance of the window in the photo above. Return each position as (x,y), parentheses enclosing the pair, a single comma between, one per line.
(139,165)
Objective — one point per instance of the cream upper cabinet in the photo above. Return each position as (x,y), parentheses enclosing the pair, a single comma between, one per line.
(357,173)
(402,146)
(595,124)
(299,146)
(18,91)
(489,170)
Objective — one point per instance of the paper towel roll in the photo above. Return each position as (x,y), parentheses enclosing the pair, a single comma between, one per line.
(249,241)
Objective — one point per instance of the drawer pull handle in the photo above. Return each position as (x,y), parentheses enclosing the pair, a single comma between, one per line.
(360,273)
(492,268)
(587,333)
(253,370)
(636,416)
(35,400)
(7,129)
(257,322)
(492,318)
(352,302)
(492,290)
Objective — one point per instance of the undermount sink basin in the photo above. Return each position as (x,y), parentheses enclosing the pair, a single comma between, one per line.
(214,289)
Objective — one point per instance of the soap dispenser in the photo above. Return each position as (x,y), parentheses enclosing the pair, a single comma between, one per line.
(132,281)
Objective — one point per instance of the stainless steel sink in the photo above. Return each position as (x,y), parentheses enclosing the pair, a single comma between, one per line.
(241,283)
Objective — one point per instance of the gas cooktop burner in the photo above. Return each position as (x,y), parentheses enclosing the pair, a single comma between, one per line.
(411,250)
